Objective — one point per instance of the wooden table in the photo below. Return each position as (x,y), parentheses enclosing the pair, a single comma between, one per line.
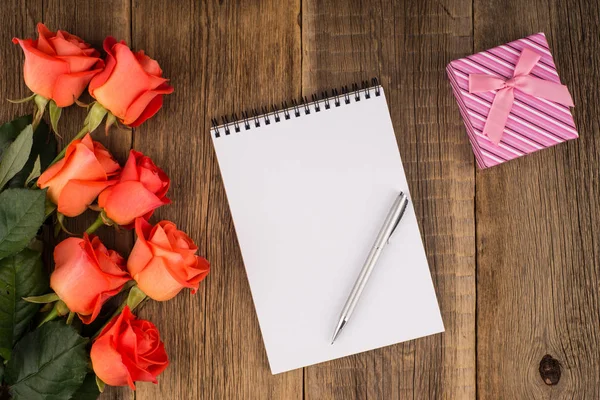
(514,250)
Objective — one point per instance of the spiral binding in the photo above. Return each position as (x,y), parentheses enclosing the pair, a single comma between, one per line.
(317,103)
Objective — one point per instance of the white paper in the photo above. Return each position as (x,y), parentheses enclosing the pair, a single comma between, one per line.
(308,196)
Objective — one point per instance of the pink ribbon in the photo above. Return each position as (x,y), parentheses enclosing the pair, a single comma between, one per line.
(502,104)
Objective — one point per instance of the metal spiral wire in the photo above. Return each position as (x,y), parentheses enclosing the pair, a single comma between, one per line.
(319,102)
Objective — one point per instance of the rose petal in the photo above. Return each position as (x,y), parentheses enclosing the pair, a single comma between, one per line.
(40,70)
(77,195)
(65,47)
(140,254)
(119,205)
(137,374)
(105,159)
(108,364)
(146,106)
(70,86)
(111,62)
(151,180)
(130,172)
(128,343)
(103,196)
(110,262)
(43,35)
(98,303)
(157,282)
(78,280)
(146,163)
(87,141)
(203,266)
(80,163)
(128,79)
(49,173)
(80,63)
(70,37)
(150,66)
(159,238)
(113,328)
(67,251)
(68,279)
(190,275)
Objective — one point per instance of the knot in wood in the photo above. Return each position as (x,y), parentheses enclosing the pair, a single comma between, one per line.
(550,370)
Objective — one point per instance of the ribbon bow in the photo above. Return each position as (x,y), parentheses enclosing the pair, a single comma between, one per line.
(502,104)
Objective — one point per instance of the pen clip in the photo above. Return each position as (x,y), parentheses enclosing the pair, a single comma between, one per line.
(405,203)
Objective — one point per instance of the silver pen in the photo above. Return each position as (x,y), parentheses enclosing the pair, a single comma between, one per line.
(389,226)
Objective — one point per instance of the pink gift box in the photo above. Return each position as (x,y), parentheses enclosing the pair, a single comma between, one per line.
(530,108)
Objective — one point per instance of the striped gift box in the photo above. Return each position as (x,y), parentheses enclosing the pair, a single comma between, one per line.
(533,123)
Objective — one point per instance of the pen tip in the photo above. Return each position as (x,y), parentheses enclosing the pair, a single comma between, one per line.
(338,329)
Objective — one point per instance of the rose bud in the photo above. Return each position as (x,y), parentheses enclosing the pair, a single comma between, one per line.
(128,350)
(86,275)
(164,261)
(131,86)
(140,189)
(59,65)
(75,181)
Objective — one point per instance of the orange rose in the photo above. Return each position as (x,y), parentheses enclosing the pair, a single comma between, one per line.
(59,65)
(75,181)
(164,261)
(141,188)
(131,86)
(128,350)
(86,275)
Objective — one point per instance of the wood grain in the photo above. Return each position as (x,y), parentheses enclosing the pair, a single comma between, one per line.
(528,228)
(537,224)
(407,44)
(222,57)
(19,21)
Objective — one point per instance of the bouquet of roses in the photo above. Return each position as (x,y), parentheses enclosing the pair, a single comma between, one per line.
(54,342)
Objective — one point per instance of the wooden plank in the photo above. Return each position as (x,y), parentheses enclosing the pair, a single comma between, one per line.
(221,58)
(93,21)
(20,21)
(407,44)
(537,225)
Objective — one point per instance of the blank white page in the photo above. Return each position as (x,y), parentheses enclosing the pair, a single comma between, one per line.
(308,196)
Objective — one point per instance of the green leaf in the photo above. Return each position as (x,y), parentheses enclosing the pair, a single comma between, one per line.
(44,147)
(41,102)
(88,390)
(135,297)
(55,112)
(110,121)
(100,385)
(21,215)
(95,116)
(21,275)
(43,299)
(23,100)
(35,172)
(16,155)
(10,131)
(48,363)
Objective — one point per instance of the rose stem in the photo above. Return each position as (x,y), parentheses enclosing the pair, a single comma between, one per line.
(97,224)
(81,134)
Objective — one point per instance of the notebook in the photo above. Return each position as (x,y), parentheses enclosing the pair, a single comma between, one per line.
(309,187)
